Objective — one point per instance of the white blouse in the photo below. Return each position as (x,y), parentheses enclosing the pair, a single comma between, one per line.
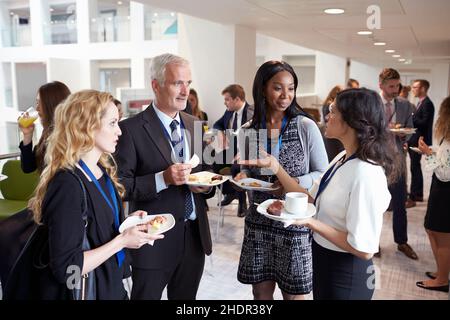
(439,161)
(354,202)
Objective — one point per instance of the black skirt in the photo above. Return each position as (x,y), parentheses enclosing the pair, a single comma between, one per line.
(341,275)
(438,212)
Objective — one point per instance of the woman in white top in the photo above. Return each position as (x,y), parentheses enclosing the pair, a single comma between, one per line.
(351,197)
(437,219)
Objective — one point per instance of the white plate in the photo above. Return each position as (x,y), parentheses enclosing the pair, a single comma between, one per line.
(195,160)
(245,184)
(416,150)
(136,220)
(403,130)
(285,216)
(204,179)
(3,177)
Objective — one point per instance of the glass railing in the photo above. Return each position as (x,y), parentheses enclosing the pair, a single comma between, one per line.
(18,36)
(62,32)
(161,27)
(110,29)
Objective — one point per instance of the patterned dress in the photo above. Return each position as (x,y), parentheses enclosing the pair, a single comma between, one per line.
(269,250)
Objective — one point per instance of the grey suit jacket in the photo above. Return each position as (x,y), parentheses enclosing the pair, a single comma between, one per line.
(403,113)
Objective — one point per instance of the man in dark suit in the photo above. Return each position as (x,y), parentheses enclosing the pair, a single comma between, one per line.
(398,111)
(238,113)
(151,156)
(423,120)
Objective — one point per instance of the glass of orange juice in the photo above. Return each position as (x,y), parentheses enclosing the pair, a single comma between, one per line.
(28,117)
(205,126)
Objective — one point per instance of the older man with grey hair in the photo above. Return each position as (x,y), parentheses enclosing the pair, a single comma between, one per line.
(151,155)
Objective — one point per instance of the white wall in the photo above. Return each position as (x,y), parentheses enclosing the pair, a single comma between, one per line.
(245,59)
(29,77)
(366,75)
(439,83)
(67,71)
(330,71)
(274,49)
(210,49)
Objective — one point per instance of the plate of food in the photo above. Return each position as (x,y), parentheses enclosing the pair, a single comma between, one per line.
(274,209)
(3,177)
(403,130)
(205,179)
(254,184)
(156,224)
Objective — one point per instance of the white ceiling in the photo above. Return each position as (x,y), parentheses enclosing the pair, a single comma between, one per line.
(417,29)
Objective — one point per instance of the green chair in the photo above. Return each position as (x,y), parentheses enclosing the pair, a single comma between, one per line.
(16,189)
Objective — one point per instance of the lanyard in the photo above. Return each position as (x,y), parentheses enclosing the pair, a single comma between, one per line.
(172,143)
(269,144)
(114,207)
(329,174)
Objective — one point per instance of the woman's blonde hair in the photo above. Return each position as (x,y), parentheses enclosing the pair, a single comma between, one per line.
(442,129)
(76,121)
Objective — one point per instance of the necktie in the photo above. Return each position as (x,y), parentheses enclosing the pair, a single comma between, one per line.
(234,127)
(177,144)
(388,112)
(419,104)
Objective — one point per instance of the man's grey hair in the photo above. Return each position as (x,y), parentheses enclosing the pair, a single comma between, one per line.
(158,66)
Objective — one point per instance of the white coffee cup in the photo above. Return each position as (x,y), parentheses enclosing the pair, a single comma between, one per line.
(296,203)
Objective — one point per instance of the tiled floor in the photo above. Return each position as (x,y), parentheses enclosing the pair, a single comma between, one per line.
(398,273)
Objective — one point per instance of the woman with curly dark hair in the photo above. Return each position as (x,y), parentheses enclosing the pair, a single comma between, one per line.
(351,197)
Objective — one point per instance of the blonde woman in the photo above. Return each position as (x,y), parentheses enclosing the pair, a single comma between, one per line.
(85,134)
(437,218)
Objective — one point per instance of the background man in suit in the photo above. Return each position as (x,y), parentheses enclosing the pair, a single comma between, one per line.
(150,155)
(423,121)
(237,114)
(398,111)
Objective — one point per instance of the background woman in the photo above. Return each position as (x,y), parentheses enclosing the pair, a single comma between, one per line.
(195,106)
(49,96)
(437,218)
(333,146)
(86,133)
(350,199)
(272,254)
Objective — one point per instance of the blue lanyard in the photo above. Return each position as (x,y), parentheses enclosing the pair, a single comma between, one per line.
(168,136)
(269,144)
(329,174)
(112,192)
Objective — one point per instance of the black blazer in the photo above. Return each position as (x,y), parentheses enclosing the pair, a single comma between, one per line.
(27,157)
(144,150)
(62,214)
(223,123)
(423,121)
